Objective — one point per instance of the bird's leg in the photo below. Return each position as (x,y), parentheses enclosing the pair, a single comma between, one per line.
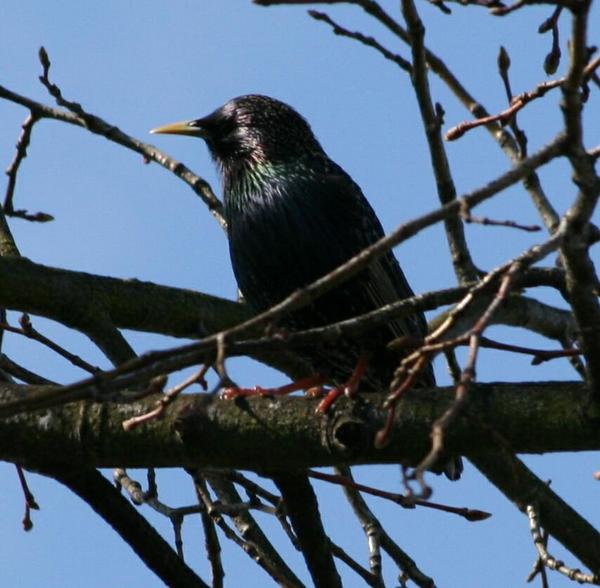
(301,384)
(350,387)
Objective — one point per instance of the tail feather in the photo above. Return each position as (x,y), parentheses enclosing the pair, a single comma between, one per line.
(453,468)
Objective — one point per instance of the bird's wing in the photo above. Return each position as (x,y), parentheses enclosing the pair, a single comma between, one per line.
(384,281)
(313,223)
(386,285)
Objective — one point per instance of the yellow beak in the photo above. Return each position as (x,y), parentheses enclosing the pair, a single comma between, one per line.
(184,127)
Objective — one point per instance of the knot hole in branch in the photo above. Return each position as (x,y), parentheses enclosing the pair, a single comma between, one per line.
(350,430)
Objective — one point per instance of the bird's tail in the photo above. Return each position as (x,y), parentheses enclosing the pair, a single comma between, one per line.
(453,467)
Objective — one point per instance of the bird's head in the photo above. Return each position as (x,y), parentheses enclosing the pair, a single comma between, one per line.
(251,129)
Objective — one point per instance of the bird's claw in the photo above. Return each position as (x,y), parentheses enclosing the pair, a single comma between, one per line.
(329,399)
(233,393)
(315,392)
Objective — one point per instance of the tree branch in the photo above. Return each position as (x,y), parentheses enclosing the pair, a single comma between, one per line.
(249,529)
(582,280)
(520,485)
(98,126)
(282,433)
(464,267)
(133,528)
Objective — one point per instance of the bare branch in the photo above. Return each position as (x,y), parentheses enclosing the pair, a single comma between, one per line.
(13,169)
(28,331)
(99,126)
(377,536)
(548,560)
(166,399)
(366,576)
(284,432)
(363,39)
(582,280)
(30,502)
(247,525)
(23,374)
(504,10)
(249,547)
(464,267)
(469,514)
(517,103)
(522,487)
(114,508)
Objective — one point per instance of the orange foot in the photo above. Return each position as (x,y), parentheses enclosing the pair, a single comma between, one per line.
(308,383)
(349,388)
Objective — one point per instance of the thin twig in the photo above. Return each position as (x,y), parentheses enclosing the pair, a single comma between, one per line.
(517,103)
(548,560)
(26,330)
(552,59)
(539,355)
(30,502)
(248,527)
(163,402)
(377,537)
(504,10)
(464,268)
(99,126)
(470,514)
(23,374)
(363,39)
(13,169)
(252,488)
(366,576)
(482,220)
(249,547)
(503,69)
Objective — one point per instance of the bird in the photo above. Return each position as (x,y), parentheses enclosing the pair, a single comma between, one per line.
(294,215)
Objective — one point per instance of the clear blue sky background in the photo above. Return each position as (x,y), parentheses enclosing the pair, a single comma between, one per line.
(139,65)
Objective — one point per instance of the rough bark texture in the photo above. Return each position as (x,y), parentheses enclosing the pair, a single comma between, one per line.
(285,433)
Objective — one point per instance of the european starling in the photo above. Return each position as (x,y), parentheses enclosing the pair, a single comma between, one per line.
(294,215)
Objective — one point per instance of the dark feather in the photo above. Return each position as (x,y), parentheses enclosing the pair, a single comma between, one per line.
(293,216)
(314,222)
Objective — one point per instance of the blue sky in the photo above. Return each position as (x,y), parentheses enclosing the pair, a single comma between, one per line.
(141,65)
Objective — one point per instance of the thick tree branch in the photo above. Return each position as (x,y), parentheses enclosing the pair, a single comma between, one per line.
(70,298)
(262,434)
(65,296)
(266,434)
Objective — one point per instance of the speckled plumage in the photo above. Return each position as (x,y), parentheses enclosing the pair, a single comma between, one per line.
(293,216)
